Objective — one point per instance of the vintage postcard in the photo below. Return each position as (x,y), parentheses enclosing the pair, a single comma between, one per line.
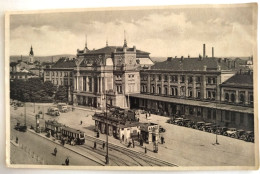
(132,88)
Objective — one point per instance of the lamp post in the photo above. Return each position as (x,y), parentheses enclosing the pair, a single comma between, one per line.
(107,157)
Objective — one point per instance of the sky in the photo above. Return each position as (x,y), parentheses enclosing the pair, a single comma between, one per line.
(162,32)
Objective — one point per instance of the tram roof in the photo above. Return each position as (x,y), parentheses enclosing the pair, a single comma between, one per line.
(69,129)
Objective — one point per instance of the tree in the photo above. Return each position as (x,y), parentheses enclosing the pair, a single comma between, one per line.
(61,94)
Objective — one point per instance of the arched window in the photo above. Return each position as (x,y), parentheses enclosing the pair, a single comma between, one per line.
(176,91)
(242,98)
(209,94)
(165,90)
(159,90)
(226,97)
(233,97)
(172,91)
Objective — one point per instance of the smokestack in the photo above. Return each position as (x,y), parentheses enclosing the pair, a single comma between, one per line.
(212,52)
(51,59)
(204,50)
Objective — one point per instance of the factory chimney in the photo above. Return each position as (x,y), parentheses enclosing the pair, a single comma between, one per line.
(204,50)
(212,52)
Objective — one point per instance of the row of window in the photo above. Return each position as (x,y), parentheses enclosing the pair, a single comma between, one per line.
(57,73)
(174,78)
(241,98)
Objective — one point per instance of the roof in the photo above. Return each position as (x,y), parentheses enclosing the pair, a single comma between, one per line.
(240,80)
(193,64)
(22,73)
(14,64)
(212,105)
(64,63)
(144,61)
(72,130)
(110,50)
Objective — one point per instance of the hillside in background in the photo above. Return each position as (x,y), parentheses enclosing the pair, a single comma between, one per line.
(14,58)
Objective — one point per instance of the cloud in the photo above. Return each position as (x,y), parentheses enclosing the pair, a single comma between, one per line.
(162,33)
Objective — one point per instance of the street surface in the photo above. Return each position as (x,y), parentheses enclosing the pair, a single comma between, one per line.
(183,147)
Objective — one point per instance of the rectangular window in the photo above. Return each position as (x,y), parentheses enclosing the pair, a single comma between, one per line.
(209,114)
(214,114)
(198,80)
(190,79)
(166,78)
(241,118)
(199,112)
(182,79)
(159,77)
(233,116)
(227,115)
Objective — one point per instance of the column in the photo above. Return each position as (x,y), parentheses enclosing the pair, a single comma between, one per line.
(218,82)
(77,81)
(81,83)
(237,97)
(92,84)
(203,87)
(169,86)
(155,85)
(186,86)
(193,86)
(179,86)
(162,84)
(246,97)
(101,85)
(87,84)
(98,88)
(148,83)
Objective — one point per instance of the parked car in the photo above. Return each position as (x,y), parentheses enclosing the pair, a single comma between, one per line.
(248,136)
(53,111)
(161,129)
(191,124)
(206,127)
(238,134)
(63,107)
(221,130)
(177,120)
(230,131)
(19,127)
(170,121)
(186,122)
(213,128)
(199,125)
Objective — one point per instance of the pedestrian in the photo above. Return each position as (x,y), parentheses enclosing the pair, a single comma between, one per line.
(16,140)
(95,145)
(149,114)
(145,150)
(129,144)
(133,143)
(103,145)
(55,151)
(162,140)
(67,161)
(97,134)
(146,115)
(81,122)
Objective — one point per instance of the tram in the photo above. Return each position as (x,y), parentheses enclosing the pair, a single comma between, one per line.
(72,136)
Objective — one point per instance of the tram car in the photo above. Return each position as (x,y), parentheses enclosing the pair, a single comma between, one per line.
(53,128)
(72,136)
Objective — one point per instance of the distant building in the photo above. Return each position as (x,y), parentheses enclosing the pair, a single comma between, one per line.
(31,56)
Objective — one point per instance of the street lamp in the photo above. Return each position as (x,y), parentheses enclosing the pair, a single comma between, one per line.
(107,157)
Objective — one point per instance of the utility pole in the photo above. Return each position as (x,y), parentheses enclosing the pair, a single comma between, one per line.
(107,158)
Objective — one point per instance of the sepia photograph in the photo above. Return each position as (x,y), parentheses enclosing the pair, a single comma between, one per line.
(132,88)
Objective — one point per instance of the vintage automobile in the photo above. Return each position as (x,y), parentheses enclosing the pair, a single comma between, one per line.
(238,134)
(53,111)
(177,120)
(170,121)
(221,130)
(230,131)
(248,136)
(199,125)
(213,128)
(161,129)
(191,124)
(63,107)
(206,127)
(186,122)
(19,127)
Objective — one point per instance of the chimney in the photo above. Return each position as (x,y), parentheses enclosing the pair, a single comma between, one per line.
(188,56)
(219,60)
(182,58)
(175,57)
(51,59)
(204,50)
(134,48)
(212,52)
(169,59)
(204,68)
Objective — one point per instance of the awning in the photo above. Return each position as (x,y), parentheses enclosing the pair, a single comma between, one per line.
(220,106)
